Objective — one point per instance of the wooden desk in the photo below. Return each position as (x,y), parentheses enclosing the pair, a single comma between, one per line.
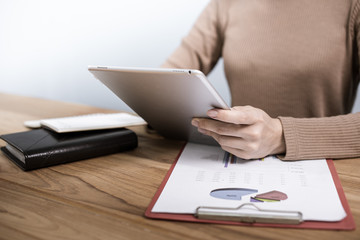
(105,198)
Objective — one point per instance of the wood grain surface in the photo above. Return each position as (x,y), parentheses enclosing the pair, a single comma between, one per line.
(106,197)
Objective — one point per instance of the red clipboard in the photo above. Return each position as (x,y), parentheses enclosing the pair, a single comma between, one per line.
(347,223)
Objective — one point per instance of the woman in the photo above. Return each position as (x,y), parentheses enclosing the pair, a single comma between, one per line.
(293,71)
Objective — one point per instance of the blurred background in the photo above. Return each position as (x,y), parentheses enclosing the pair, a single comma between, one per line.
(46,46)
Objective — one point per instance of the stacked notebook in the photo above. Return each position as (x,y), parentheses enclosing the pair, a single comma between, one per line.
(70,139)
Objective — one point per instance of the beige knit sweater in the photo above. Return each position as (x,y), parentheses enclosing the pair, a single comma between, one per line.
(297,60)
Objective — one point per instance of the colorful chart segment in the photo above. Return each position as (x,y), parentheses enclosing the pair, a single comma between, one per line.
(231,193)
(237,193)
(272,196)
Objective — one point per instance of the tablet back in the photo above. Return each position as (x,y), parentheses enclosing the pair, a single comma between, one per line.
(167,99)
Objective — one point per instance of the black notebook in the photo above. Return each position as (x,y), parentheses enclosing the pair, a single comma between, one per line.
(42,148)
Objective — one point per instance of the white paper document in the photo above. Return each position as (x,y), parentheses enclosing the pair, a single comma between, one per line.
(208,176)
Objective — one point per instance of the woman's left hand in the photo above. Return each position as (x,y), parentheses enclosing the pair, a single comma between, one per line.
(244,131)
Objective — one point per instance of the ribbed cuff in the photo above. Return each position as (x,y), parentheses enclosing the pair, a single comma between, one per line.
(315,138)
(290,136)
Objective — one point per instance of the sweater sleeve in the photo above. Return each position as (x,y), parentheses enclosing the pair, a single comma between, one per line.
(201,48)
(314,138)
(329,137)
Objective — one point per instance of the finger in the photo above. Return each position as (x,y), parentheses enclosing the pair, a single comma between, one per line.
(221,128)
(235,145)
(195,122)
(230,141)
(237,115)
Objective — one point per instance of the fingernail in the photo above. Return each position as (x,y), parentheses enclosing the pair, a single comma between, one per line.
(195,123)
(212,113)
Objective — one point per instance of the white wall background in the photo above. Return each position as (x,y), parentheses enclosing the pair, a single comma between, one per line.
(46,45)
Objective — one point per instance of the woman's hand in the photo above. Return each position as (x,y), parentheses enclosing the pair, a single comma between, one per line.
(244,131)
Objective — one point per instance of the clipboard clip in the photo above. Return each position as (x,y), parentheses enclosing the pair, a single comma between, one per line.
(249,213)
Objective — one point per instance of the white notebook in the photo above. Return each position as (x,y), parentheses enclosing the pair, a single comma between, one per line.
(87,122)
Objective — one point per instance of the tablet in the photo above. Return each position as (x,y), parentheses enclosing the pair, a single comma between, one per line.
(167,99)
